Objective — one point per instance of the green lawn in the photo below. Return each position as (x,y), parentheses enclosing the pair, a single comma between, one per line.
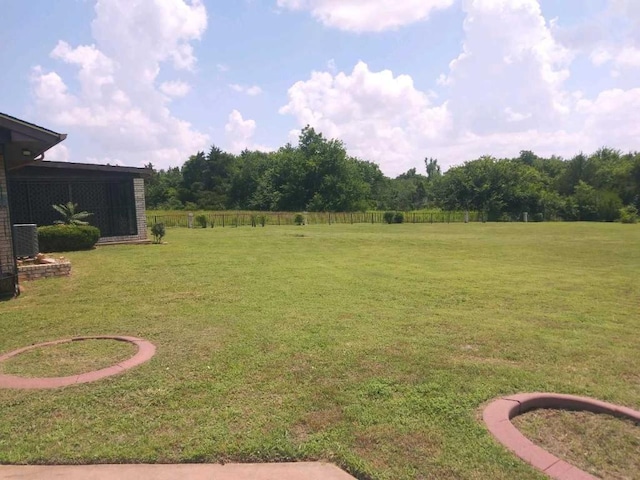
(372,346)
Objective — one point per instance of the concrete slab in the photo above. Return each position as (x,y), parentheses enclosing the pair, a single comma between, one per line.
(230,471)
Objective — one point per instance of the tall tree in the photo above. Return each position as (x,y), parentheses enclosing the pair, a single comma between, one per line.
(433,169)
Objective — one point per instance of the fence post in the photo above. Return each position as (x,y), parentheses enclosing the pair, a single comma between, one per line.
(190,220)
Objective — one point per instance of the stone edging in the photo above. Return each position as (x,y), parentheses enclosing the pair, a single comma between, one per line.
(498,414)
(46,270)
(146,350)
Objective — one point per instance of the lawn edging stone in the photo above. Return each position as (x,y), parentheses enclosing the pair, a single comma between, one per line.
(498,414)
(146,350)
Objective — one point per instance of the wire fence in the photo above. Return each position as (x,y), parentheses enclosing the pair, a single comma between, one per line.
(244,219)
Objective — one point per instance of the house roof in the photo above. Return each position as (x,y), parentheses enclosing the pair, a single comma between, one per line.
(88,167)
(23,141)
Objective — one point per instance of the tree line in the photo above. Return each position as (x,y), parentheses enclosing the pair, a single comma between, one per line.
(319,175)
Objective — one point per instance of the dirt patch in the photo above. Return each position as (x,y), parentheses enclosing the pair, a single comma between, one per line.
(382,445)
(316,421)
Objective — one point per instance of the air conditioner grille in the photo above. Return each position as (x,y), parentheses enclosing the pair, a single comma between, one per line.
(25,239)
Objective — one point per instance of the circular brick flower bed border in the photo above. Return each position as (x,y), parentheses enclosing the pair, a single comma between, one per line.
(498,414)
(146,350)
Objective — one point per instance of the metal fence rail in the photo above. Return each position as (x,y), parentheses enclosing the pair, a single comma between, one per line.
(244,219)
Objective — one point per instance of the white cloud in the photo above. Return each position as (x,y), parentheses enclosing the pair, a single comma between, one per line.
(620,57)
(59,153)
(117,105)
(252,91)
(240,132)
(367,15)
(175,88)
(611,38)
(506,92)
(510,63)
(381,117)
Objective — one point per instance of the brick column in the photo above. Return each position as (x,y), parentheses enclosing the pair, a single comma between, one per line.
(141,211)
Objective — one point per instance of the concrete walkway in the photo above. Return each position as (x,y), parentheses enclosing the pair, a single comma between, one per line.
(230,471)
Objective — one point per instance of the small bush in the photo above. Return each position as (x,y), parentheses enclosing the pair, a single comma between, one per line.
(629,214)
(299,219)
(67,238)
(388,217)
(398,217)
(263,220)
(202,221)
(158,232)
(538,217)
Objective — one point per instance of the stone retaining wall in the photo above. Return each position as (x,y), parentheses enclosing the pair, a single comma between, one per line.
(34,272)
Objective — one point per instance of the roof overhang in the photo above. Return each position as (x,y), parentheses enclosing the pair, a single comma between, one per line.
(24,142)
(85,167)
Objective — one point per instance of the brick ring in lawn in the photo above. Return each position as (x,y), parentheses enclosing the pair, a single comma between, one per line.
(498,414)
(146,350)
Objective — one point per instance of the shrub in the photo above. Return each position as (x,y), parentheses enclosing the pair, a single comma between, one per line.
(538,217)
(388,217)
(202,221)
(263,220)
(158,232)
(69,214)
(299,219)
(398,217)
(67,238)
(629,214)
(609,206)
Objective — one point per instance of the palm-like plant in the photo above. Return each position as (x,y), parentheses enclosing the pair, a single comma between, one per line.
(69,214)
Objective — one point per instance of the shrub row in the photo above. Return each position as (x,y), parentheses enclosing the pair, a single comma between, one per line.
(67,238)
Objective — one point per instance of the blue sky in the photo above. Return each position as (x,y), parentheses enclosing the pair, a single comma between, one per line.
(138,81)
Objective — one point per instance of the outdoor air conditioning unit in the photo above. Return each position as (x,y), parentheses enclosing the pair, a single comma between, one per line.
(25,240)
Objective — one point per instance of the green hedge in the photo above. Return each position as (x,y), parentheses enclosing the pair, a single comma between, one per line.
(67,238)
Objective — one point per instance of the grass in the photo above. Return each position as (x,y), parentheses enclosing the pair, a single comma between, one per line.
(602,445)
(373,346)
(72,358)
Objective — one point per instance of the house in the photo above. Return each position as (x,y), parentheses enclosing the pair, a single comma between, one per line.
(29,186)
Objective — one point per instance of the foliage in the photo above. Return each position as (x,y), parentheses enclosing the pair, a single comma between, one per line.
(299,219)
(388,217)
(317,175)
(201,220)
(69,214)
(67,238)
(158,232)
(398,217)
(629,214)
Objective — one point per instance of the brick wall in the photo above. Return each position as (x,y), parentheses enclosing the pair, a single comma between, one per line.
(7,263)
(34,272)
(141,216)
